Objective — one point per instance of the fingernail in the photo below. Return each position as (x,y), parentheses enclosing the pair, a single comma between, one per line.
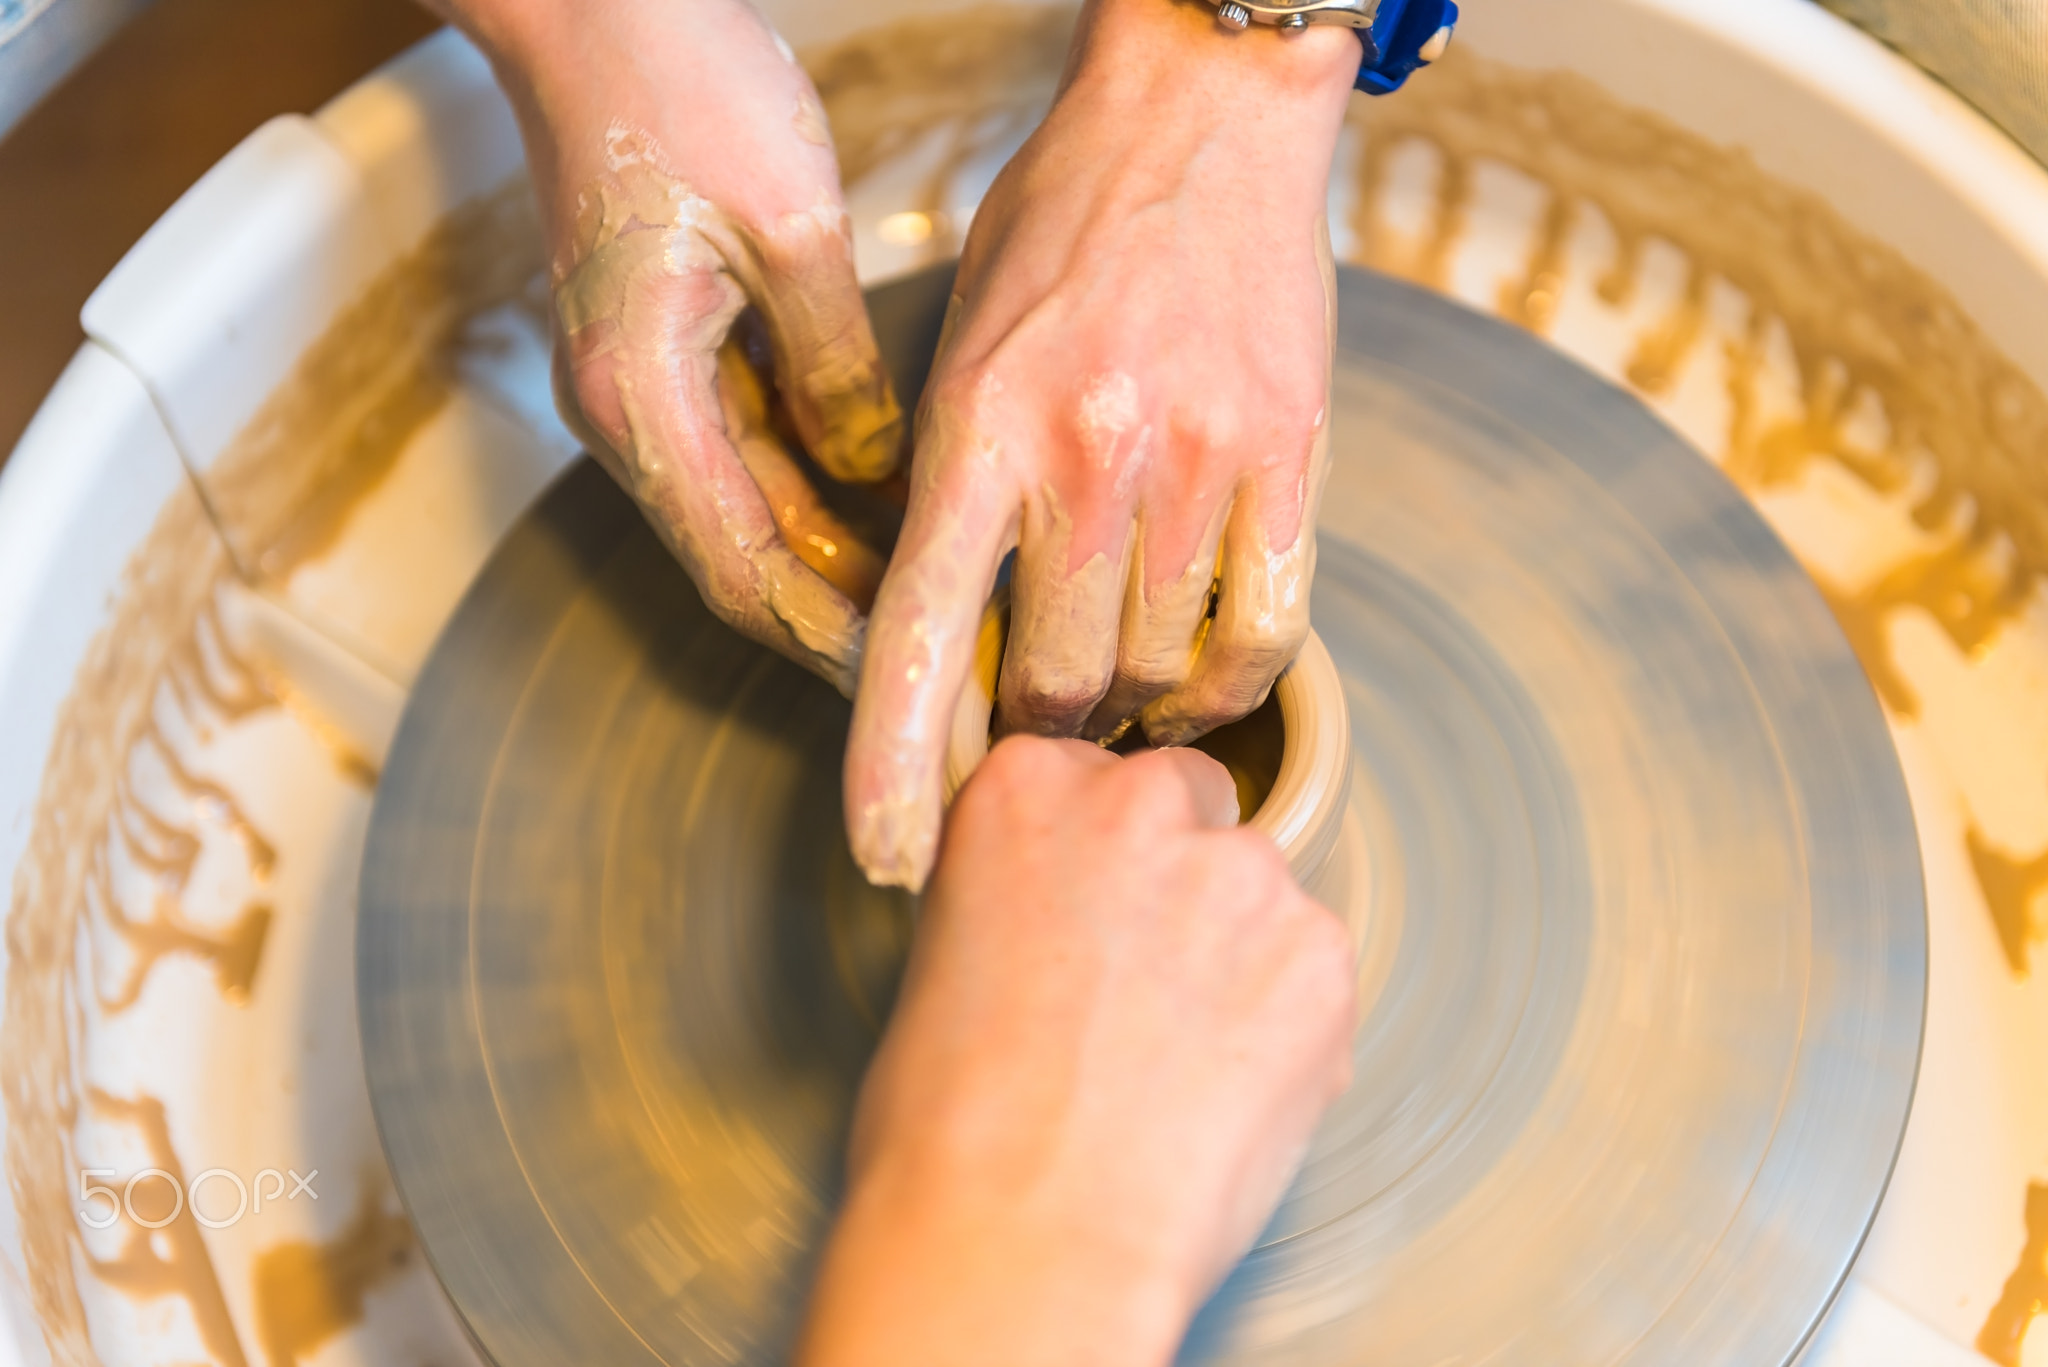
(894,842)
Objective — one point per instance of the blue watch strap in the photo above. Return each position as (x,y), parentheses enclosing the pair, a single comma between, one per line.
(1401,34)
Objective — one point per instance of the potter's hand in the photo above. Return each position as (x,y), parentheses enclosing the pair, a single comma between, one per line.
(1132,391)
(1120,1022)
(685,172)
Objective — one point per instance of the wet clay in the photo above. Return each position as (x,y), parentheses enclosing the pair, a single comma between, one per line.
(1250,748)
(657,277)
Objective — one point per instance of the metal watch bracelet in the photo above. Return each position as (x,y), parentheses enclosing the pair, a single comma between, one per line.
(1399,36)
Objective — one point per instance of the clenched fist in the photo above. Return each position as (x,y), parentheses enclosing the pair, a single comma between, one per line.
(1120,1023)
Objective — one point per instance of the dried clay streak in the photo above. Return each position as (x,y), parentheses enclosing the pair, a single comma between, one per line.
(285,487)
(306,1293)
(123,687)
(1963,587)
(1858,321)
(203,684)
(172,1261)
(2026,1290)
(166,848)
(1857,317)
(2012,890)
(168,853)
(161,674)
(1864,329)
(1531,300)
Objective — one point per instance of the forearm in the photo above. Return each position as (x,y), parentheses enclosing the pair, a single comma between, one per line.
(507,30)
(913,1278)
(704,83)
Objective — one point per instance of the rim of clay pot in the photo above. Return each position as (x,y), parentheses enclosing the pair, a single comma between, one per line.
(1304,810)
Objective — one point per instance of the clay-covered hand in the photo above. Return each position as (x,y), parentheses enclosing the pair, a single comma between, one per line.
(684,173)
(1119,1025)
(1132,390)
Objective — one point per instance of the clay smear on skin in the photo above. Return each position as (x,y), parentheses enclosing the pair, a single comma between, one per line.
(1156,647)
(1067,612)
(1262,602)
(637,226)
(1261,619)
(895,825)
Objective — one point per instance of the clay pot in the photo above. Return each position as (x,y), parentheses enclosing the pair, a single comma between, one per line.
(1291,757)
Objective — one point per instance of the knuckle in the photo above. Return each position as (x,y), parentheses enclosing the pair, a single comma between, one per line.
(1056,698)
(1027,783)
(587,397)
(1295,406)
(1001,784)
(1015,764)
(1150,675)
(1150,787)
(1265,644)
(1249,868)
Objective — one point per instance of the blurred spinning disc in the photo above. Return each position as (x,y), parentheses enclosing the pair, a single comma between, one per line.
(1642,950)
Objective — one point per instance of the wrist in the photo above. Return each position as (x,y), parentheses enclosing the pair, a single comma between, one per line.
(550,45)
(505,30)
(1179,45)
(911,1277)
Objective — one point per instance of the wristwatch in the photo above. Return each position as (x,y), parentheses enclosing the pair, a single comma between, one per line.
(1399,35)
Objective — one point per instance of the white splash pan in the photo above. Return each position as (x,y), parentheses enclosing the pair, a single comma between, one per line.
(195,333)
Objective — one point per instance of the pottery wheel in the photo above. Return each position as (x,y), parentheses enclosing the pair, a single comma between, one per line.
(1642,937)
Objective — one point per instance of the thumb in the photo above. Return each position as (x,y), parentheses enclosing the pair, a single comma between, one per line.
(829,369)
